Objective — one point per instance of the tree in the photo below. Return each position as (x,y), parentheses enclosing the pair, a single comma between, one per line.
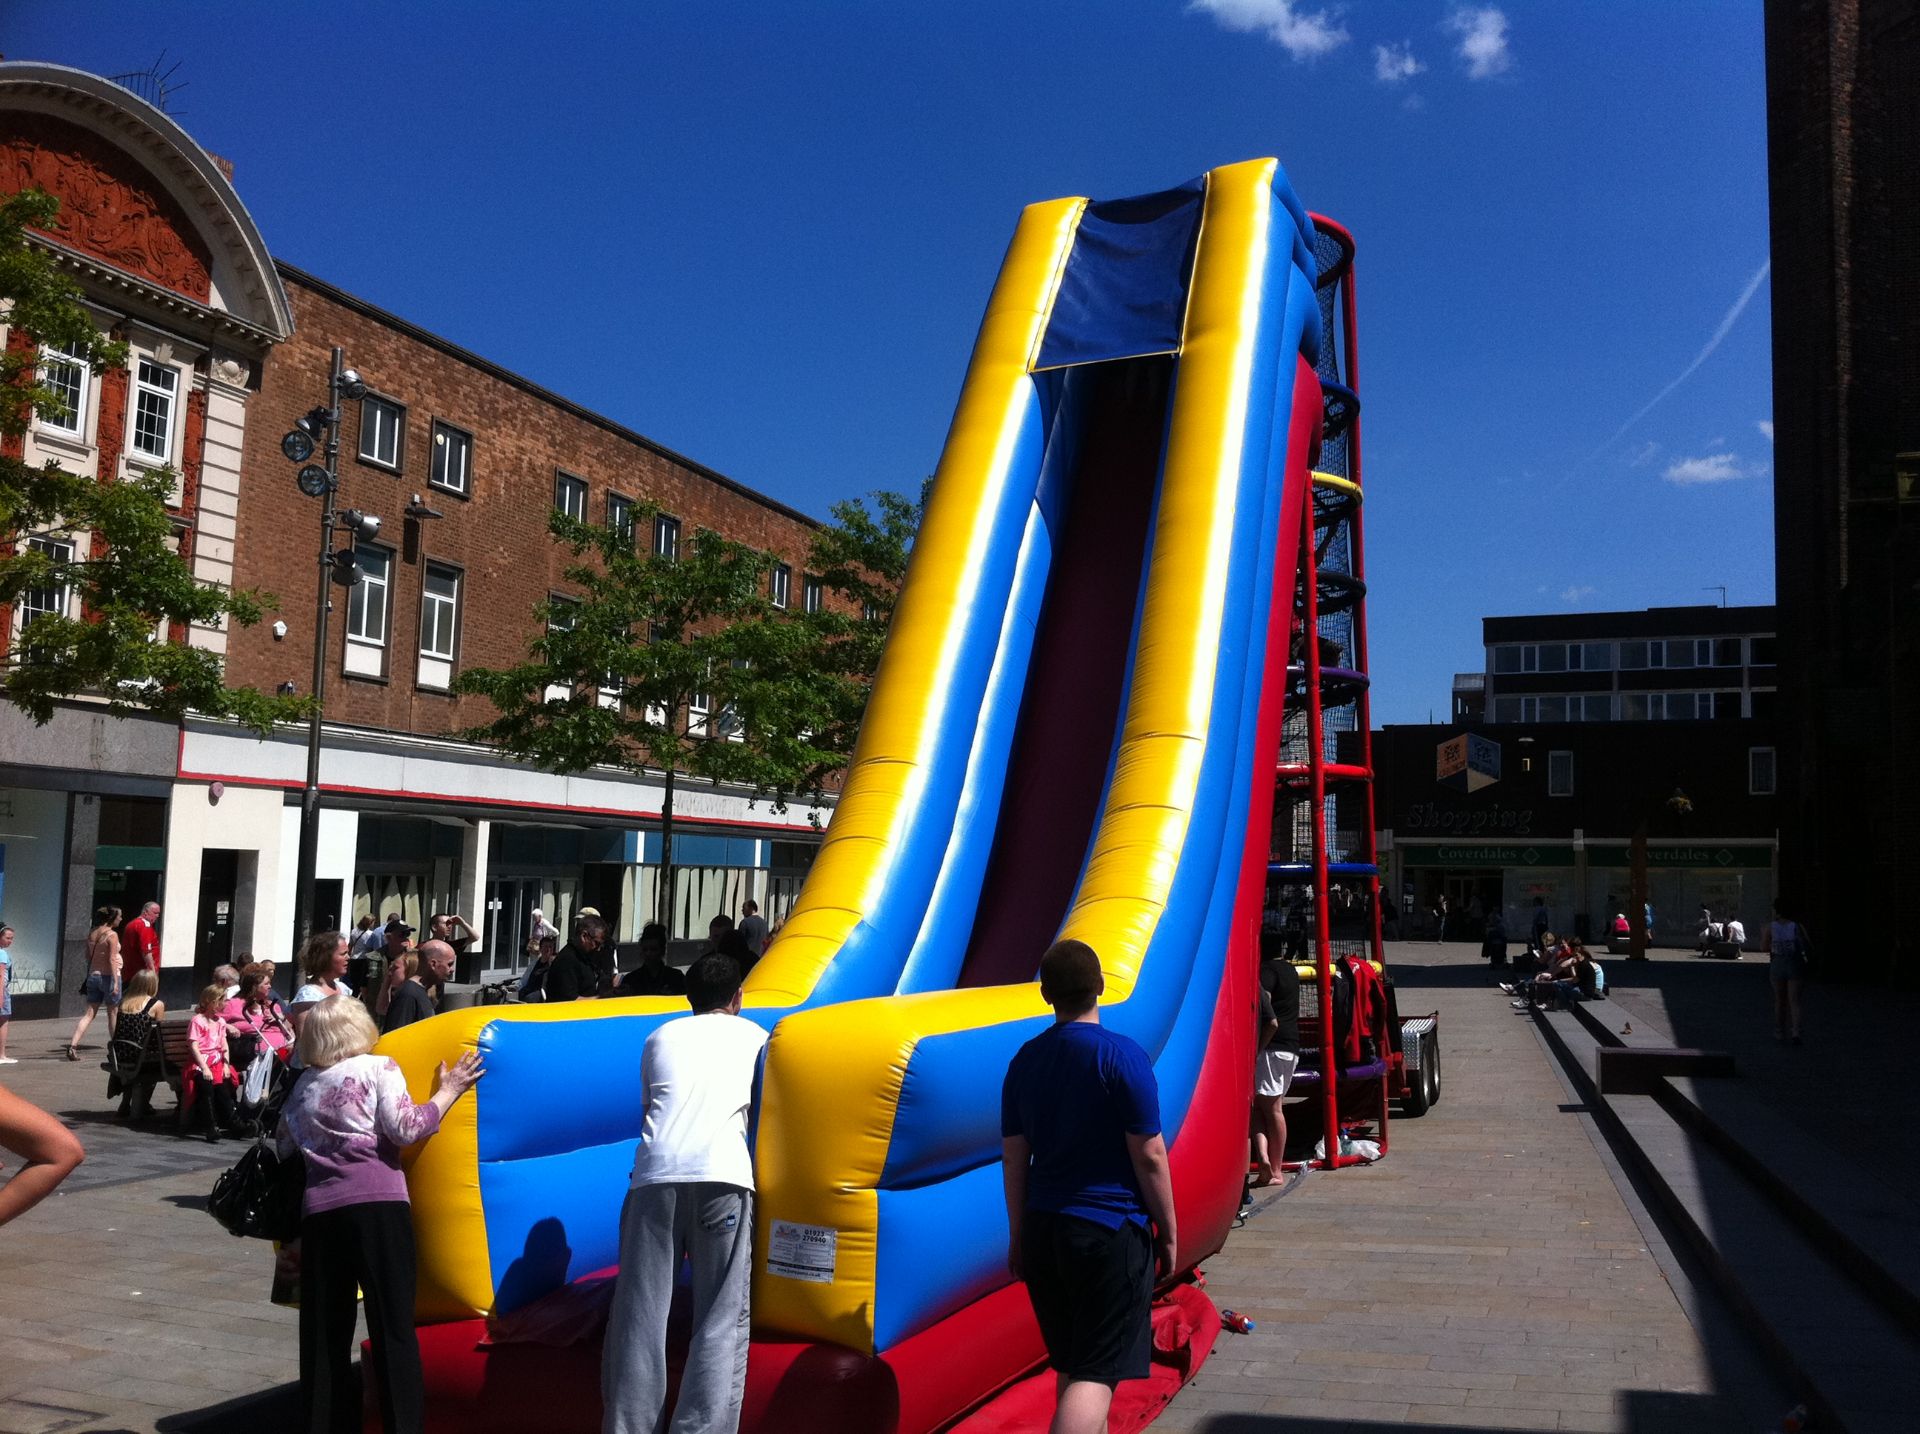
(94,560)
(681,663)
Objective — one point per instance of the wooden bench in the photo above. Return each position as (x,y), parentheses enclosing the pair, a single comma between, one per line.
(167,1056)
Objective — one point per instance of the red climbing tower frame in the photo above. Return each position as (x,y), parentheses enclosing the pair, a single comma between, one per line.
(1324,810)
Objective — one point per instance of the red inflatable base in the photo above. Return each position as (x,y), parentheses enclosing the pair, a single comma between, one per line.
(922,1384)
(793,1386)
(1185,1325)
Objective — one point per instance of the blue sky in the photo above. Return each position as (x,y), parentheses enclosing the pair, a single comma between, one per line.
(762,233)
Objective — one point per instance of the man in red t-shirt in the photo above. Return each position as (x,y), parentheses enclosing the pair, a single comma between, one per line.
(139,942)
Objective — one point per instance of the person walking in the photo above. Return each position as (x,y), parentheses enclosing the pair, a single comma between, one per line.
(1278,1057)
(1788,949)
(691,1194)
(102,986)
(349,1117)
(1440,919)
(1090,1218)
(6,991)
(140,942)
(753,927)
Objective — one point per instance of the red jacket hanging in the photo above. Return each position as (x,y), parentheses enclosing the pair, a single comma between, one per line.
(1358,1043)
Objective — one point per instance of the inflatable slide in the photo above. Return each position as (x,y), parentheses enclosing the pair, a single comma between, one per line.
(1073,732)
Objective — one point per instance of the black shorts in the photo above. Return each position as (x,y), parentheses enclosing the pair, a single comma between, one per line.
(1092,1292)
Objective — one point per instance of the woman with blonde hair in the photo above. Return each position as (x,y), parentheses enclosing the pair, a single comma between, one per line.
(140,1011)
(349,1117)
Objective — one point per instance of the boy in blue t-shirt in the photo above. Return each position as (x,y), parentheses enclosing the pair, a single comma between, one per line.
(1085,1168)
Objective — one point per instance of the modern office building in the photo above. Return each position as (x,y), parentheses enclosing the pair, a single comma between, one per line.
(228,348)
(1660,664)
(1843,155)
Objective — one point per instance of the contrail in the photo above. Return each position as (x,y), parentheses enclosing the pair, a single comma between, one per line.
(1719,335)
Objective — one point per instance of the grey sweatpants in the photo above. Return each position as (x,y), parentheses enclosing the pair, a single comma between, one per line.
(713,1225)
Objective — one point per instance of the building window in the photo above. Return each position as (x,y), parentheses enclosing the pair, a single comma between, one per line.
(1506,659)
(699,707)
(1552,657)
(1718,706)
(1760,771)
(367,612)
(49,599)
(1726,651)
(1506,709)
(560,619)
(781,586)
(1760,651)
(439,624)
(1761,703)
(869,612)
(154,388)
(666,537)
(64,371)
(570,496)
(1597,708)
(813,593)
(1559,774)
(620,516)
(381,423)
(452,459)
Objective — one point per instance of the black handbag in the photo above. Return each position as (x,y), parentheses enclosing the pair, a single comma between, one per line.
(259,1199)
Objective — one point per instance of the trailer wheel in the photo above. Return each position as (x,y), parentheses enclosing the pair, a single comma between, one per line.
(1419,1097)
(1430,1067)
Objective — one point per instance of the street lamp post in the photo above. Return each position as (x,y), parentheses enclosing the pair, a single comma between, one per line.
(322,482)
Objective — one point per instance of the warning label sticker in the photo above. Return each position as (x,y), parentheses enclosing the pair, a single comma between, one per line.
(802,1252)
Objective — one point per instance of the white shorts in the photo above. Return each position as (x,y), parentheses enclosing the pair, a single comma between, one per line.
(1273,1072)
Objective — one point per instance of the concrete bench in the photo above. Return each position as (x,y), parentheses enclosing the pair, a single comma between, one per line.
(1634,1070)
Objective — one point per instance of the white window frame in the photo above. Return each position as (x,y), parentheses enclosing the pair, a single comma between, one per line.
(555,691)
(142,387)
(61,550)
(813,592)
(699,713)
(666,537)
(366,653)
(780,585)
(437,662)
(446,437)
(1556,786)
(620,514)
(51,356)
(1754,788)
(570,494)
(371,405)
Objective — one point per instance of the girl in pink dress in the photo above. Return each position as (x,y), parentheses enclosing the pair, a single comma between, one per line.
(213,1077)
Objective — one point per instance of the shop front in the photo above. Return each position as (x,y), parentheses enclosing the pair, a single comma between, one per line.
(1729,878)
(1477,877)
(33,860)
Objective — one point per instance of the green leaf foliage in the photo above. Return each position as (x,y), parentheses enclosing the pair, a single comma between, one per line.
(109,546)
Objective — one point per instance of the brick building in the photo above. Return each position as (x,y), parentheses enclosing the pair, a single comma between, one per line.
(230,349)
(1843,157)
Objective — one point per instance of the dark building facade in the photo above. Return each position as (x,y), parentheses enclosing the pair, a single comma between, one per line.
(1499,814)
(1662,664)
(1843,141)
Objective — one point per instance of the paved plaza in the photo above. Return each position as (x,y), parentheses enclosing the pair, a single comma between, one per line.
(1496,1271)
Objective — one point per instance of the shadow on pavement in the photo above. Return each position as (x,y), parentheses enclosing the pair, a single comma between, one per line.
(277,1408)
(1642,1411)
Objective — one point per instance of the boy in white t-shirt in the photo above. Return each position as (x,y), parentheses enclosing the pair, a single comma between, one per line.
(692,1194)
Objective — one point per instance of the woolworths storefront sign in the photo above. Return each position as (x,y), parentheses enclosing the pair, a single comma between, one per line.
(1518,854)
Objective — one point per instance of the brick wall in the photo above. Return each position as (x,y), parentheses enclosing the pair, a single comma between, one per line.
(497,536)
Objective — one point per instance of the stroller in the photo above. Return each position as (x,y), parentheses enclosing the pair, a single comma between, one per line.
(264,1083)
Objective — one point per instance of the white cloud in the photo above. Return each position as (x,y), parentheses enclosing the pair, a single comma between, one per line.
(1708,468)
(1302,34)
(1578,593)
(1644,454)
(1394,63)
(1483,40)
(1765,426)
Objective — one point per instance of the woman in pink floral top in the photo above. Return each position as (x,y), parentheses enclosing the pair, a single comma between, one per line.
(350,1116)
